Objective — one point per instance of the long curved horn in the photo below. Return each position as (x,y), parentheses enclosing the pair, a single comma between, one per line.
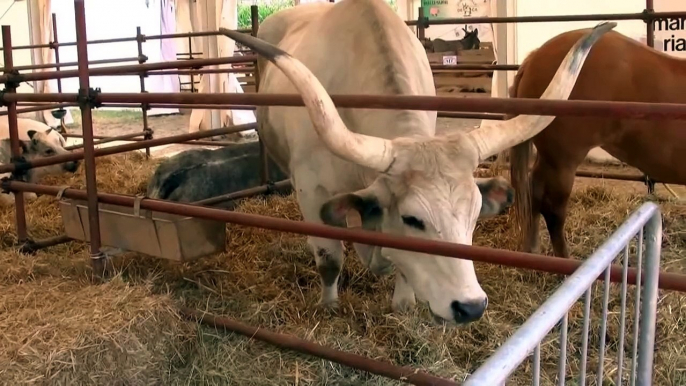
(495,136)
(372,152)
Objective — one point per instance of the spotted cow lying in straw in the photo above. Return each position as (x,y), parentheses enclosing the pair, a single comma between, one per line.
(199,174)
(37,140)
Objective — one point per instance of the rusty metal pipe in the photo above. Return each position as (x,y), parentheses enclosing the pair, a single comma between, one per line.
(74,64)
(611,176)
(41,107)
(192,34)
(585,173)
(140,38)
(406,374)
(30,47)
(56,48)
(531,106)
(97,257)
(135,137)
(101,41)
(19,206)
(179,105)
(132,69)
(280,186)
(123,137)
(203,71)
(549,264)
(458,115)
(264,157)
(71,135)
(477,67)
(78,155)
(650,27)
(646,17)
(421,23)
(210,143)
(123,40)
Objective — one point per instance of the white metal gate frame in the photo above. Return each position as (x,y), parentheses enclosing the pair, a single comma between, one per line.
(646,223)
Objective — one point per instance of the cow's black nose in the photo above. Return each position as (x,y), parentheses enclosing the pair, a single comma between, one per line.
(468,311)
(71,167)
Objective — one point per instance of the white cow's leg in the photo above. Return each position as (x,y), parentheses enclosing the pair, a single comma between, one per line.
(403,294)
(328,254)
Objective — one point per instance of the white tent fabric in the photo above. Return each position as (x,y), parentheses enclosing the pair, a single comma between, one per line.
(167,46)
(159,51)
(129,14)
(210,15)
(40,26)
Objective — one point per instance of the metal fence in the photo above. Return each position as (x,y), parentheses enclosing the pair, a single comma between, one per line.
(643,224)
(540,323)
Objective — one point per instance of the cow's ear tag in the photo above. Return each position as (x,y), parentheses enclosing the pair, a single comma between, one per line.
(353,219)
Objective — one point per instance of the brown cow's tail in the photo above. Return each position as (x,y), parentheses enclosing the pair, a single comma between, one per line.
(519,175)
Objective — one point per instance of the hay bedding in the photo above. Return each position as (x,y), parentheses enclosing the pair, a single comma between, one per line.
(57,328)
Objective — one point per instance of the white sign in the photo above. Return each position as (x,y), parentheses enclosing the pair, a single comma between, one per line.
(450,60)
(670,33)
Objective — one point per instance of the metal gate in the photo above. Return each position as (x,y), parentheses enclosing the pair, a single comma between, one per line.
(645,224)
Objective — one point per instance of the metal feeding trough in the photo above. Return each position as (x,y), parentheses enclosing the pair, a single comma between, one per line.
(59,113)
(153,233)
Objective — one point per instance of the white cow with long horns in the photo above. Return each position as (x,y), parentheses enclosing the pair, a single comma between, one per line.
(386,165)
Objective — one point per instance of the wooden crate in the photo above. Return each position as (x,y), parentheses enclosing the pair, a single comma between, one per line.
(247,82)
(464,83)
(449,82)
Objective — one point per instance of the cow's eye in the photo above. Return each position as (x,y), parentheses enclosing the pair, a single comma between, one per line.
(414,222)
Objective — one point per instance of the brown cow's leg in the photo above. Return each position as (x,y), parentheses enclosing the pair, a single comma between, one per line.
(559,181)
(532,236)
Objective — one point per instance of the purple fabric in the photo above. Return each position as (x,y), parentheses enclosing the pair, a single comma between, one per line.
(168,46)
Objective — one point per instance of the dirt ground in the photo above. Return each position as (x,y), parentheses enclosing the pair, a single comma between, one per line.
(59,328)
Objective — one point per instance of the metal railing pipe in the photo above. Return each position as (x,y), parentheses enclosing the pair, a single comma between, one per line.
(130,69)
(97,257)
(549,264)
(644,16)
(406,374)
(530,106)
(78,155)
(13,127)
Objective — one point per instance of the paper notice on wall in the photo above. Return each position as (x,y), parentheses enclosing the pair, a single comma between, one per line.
(448,9)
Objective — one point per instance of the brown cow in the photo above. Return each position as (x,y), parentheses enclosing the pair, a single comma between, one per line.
(617,69)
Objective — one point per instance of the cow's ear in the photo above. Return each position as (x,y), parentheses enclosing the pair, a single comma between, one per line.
(343,209)
(497,196)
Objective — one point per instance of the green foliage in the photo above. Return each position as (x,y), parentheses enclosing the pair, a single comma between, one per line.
(263,11)
(267,9)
